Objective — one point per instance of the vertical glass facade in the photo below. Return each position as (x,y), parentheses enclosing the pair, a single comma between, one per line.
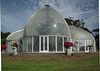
(81,45)
(29,44)
(59,44)
(75,48)
(36,44)
(49,44)
(52,44)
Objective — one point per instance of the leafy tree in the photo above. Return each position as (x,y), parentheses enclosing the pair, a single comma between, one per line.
(69,21)
(3,40)
(96,31)
(4,36)
(78,23)
(96,37)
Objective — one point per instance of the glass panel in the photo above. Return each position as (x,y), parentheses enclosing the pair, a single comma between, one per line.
(41,43)
(75,48)
(59,44)
(81,45)
(87,43)
(52,43)
(65,39)
(20,46)
(36,44)
(45,43)
(25,44)
(30,44)
(33,43)
(47,25)
(10,47)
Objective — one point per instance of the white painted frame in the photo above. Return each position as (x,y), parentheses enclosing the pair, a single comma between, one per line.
(32,44)
(43,44)
(86,43)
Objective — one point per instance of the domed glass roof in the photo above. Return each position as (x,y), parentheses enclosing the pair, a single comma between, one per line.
(16,35)
(80,34)
(46,21)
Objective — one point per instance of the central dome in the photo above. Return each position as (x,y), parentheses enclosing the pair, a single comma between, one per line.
(46,21)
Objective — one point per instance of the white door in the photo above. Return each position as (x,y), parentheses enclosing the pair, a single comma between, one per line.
(44,44)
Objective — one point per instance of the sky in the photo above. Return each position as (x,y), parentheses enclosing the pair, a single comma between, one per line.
(16,13)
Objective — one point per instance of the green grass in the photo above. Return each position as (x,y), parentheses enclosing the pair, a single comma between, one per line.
(81,65)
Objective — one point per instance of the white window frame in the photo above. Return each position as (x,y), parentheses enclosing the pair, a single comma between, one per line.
(43,44)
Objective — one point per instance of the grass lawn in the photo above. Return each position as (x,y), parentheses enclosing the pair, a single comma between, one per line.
(50,62)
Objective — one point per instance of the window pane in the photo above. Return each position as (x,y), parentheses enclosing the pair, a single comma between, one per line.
(30,44)
(75,48)
(81,45)
(52,43)
(36,44)
(59,44)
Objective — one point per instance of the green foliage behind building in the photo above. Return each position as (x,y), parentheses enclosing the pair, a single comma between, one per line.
(4,36)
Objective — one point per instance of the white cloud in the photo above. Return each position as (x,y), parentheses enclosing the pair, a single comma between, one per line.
(79,9)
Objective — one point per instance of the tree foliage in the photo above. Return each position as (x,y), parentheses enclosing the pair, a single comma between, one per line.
(78,23)
(96,37)
(4,36)
(96,30)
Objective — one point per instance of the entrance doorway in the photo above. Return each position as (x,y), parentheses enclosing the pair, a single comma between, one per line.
(44,44)
(52,43)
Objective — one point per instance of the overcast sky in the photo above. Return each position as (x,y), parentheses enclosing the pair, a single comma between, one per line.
(16,13)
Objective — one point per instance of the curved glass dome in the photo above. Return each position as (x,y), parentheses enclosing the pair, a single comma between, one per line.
(80,34)
(46,21)
(16,35)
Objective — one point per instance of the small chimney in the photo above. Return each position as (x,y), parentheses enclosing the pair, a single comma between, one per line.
(47,5)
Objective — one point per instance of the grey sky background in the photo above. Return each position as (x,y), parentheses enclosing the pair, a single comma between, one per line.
(16,13)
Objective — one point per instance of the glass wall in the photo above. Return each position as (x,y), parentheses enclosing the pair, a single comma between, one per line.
(36,44)
(20,46)
(59,44)
(30,44)
(82,45)
(75,48)
(52,45)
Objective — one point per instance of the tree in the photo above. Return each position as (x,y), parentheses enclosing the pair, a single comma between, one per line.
(96,31)
(87,30)
(4,36)
(96,37)
(78,23)
(69,21)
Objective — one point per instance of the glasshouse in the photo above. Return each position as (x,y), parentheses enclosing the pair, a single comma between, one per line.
(46,31)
